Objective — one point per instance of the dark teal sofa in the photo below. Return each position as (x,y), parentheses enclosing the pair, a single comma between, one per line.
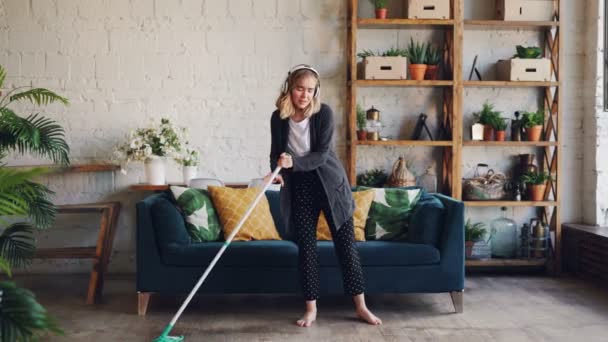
(169,263)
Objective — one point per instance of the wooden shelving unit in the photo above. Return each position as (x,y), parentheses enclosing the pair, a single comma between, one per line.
(452,114)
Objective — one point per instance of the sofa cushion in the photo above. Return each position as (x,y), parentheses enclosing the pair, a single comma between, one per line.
(202,222)
(232,204)
(383,253)
(239,253)
(390,212)
(168,224)
(363,200)
(427,221)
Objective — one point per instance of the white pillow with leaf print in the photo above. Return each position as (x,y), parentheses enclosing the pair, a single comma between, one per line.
(202,222)
(390,213)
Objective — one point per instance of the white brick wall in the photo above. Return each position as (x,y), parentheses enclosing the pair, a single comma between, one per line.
(216,67)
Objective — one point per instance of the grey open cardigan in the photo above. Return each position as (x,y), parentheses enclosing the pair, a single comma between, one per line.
(322,159)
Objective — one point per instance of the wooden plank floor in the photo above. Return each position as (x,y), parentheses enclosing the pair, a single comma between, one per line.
(497,308)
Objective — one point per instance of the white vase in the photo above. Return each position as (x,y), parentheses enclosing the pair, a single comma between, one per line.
(155,171)
(189,173)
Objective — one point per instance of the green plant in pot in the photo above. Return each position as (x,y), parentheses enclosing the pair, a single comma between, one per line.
(536,183)
(473,232)
(499,124)
(487,116)
(533,124)
(25,206)
(416,53)
(433,58)
(380,7)
(375,178)
(361,121)
(531,52)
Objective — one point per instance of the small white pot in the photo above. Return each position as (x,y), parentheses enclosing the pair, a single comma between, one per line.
(189,173)
(155,171)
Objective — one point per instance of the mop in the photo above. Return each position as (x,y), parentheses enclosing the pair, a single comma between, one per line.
(164,337)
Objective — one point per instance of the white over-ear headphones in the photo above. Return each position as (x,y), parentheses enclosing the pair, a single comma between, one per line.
(300,67)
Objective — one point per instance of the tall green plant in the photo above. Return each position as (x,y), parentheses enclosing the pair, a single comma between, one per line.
(361,118)
(378,4)
(22,318)
(416,52)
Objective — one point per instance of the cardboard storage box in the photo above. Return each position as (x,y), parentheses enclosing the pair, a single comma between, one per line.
(523,69)
(528,10)
(428,9)
(385,68)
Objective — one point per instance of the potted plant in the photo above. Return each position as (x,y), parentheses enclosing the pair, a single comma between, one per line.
(375,178)
(189,161)
(416,53)
(487,116)
(473,232)
(531,52)
(533,123)
(433,58)
(26,207)
(151,145)
(499,124)
(380,6)
(536,182)
(361,121)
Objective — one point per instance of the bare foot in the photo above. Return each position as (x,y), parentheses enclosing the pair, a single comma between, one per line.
(368,316)
(307,319)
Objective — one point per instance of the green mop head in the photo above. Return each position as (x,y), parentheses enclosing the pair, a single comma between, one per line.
(164,337)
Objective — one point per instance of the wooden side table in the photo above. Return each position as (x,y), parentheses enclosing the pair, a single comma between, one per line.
(99,253)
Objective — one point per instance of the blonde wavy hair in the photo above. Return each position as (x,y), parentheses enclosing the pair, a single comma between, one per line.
(284,104)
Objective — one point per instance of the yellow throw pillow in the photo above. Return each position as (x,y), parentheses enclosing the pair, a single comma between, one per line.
(363,201)
(231,204)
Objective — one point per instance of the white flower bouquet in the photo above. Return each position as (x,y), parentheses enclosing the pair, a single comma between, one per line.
(189,157)
(150,143)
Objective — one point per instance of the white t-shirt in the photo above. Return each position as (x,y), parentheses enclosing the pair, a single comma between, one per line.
(299,137)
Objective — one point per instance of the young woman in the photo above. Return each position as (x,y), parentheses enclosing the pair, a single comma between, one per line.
(312,180)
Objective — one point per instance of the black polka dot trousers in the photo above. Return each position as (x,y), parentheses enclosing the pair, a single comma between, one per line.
(308,199)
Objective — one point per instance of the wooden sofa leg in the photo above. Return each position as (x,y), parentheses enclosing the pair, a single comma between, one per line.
(143,298)
(457,300)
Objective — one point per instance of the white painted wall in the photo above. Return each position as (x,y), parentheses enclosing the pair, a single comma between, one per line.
(596,120)
(216,67)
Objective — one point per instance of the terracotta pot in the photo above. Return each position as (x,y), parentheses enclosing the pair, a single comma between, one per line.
(361,135)
(381,13)
(536,192)
(499,135)
(468,248)
(488,133)
(534,133)
(431,72)
(417,71)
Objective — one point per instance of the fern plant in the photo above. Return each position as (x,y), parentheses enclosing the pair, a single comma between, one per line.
(531,119)
(22,318)
(416,52)
(474,231)
(487,115)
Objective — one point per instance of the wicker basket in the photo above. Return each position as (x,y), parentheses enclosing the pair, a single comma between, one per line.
(489,187)
(400,175)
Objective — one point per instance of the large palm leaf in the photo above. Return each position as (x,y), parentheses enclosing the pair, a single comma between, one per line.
(21,197)
(17,244)
(36,134)
(22,318)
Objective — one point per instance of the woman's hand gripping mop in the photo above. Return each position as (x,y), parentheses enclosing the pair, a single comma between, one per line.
(164,337)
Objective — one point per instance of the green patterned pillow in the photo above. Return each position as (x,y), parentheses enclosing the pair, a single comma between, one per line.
(390,213)
(202,222)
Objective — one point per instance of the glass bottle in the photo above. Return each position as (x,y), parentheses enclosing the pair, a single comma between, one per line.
(428,180)
(504,242)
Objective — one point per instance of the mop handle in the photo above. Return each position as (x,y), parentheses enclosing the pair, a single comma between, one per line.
(219,254)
